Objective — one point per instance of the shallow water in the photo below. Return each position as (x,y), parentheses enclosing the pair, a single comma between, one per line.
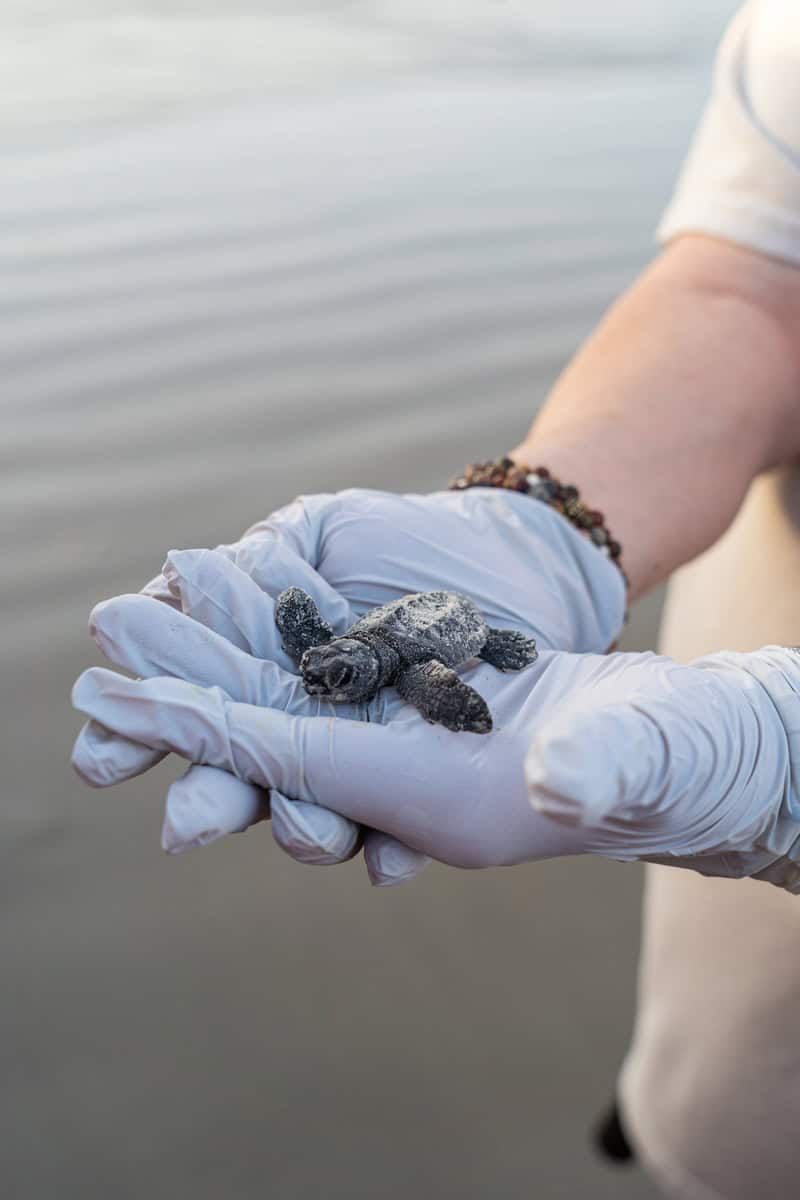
(300,248)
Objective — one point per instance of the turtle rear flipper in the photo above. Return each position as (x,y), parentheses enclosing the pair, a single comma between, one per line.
(508,650)
(443,698)
(299,622)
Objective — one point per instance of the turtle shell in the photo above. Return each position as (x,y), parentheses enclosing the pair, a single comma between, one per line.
(442,625)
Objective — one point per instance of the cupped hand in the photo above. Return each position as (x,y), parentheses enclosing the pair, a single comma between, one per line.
(522,563)
(629,756)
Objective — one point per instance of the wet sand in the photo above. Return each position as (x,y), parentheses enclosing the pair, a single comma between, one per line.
(204,313)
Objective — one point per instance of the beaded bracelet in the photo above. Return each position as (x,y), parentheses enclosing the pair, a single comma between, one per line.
(540,484)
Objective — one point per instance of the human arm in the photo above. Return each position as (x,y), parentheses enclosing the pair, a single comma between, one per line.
(689,387)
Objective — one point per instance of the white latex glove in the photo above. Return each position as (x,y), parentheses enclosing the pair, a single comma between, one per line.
(628,756)
(522,563)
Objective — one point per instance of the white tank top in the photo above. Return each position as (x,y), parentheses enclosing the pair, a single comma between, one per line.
(741,178)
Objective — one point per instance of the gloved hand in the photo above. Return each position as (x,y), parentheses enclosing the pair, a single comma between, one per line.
(520,561)
(628,756)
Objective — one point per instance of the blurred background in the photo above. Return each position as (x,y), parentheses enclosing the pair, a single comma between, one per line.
(249,250)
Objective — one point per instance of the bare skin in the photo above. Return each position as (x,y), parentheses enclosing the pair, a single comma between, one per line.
(688,389)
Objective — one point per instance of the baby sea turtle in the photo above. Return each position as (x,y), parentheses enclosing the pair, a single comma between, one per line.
(413,643)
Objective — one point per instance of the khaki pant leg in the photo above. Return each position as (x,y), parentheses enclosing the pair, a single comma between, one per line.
(710,1090)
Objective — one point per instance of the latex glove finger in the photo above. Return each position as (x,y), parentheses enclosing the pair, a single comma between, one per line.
(389,861)
(207,804)
(103,758)
(311,834)
(421,784)
(243,614)
(314,835)
(146,638)
(278,552)
(158,588)
(273,566)
(212,590)
(701,768)
(150,639)
(260,745)
(198,723)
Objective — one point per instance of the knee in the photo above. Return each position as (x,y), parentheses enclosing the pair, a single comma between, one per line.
(708,1123)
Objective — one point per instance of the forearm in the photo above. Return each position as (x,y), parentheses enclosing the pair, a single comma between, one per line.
(688,389)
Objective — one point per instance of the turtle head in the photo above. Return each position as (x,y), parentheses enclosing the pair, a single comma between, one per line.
(343,670)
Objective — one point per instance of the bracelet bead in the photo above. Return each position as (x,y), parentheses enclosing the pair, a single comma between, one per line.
(539,484)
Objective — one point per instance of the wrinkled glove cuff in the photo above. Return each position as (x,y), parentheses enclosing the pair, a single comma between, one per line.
(539,484)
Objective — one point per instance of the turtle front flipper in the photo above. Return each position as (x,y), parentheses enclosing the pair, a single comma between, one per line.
(299,622)
(508,650)
(443,698)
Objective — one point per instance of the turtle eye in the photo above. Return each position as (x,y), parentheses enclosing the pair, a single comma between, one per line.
(339,675)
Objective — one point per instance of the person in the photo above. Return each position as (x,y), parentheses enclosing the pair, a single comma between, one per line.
(686,394)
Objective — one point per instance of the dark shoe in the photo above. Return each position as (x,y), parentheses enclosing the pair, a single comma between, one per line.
(610,1140)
